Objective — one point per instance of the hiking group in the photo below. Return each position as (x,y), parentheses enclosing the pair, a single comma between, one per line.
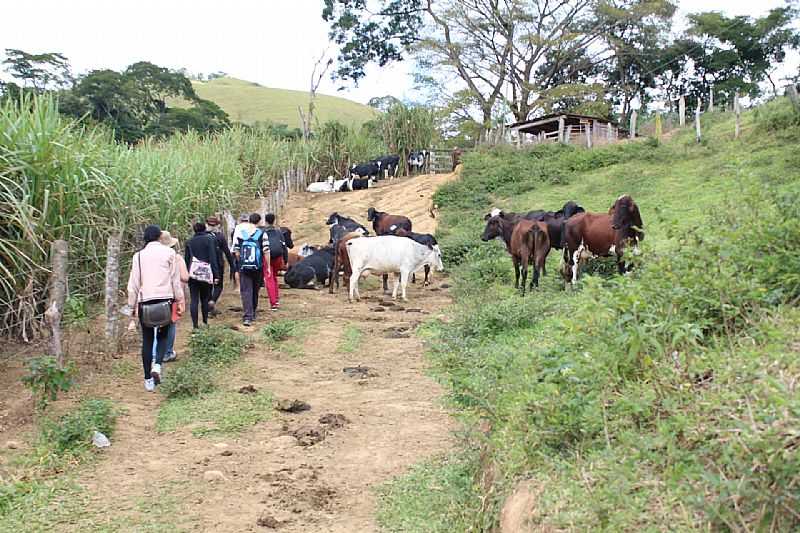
(159,274)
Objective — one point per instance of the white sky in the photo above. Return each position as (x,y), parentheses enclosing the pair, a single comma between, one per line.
(272,42)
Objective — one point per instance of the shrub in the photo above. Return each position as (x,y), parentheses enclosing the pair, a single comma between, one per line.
(190,378)
(216,345)
(279,330)
(73,431)
(46,379)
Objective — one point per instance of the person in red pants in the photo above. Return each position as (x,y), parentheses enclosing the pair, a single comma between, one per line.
(278,252)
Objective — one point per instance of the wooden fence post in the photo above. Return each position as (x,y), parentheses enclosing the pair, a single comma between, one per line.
(112,292)
(711,100)
(609,133)
(737,110)
(682,111)
(59,254)
(589,135)
(561,129)
(791,92)
(567,135)
(658,126)
(697,119)
(632,132)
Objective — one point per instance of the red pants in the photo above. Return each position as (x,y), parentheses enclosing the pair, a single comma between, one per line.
(271,279)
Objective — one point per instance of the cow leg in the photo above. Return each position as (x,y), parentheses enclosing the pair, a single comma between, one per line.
(576,263)
(621,265)
(524,274)
(535,277)
(354,285)
(404,284)
(516,272)
(396,286)
(385,283)
(427,273)
(413,277)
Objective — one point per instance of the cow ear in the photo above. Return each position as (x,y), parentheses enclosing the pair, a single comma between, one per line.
(487,216)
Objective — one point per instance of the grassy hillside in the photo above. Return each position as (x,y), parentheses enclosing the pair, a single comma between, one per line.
(663,399)
(249,102)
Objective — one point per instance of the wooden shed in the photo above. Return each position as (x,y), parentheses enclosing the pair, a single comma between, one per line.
(568,128)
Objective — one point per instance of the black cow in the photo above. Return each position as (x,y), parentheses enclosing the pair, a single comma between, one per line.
(341,225)
(311,270)
(357,184)
(387,163)
(555,220)
(365,170)
(287,237)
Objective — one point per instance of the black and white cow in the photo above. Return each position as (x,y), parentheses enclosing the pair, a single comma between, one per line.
(341,225)
(388,165)
(417,161)
(366,170)
(311,270)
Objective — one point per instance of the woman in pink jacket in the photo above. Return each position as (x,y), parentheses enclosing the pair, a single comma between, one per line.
(155,277)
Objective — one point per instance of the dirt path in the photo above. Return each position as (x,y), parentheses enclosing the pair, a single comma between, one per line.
(394,417)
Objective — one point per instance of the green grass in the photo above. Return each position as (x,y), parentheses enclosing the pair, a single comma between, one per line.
(277,332)
(666,396)
(248,102)
(216,413)
(351,339)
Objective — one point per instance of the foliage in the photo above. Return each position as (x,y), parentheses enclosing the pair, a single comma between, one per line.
(280,330)
(351,339)
(662,396)
(211,350)
(72,432)
(404,129)
(339,146)
(46,378)
(42,71)
(216,413)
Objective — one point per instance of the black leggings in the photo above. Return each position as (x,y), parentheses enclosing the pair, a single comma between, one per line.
(148,336)
(200,292)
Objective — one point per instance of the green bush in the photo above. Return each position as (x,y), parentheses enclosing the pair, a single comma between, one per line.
(279,330)
(46,379)
(72,432)
(778,116)
(190,378)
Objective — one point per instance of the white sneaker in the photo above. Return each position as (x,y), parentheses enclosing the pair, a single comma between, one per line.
(155,371)
(149,385)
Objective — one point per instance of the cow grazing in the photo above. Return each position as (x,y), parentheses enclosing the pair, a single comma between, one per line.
(365,170)
(555,220)
(417,160)
(341,225)
(311,270)
(341,261)
(388,165)
(588,235)
(321,186)
(389,254)
(526,241)
(426,239)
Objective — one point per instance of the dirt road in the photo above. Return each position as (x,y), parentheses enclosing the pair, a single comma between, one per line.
(392,412)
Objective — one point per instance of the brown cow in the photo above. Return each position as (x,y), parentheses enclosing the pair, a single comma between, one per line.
(341,261)
(386,224)
(588,235)
(525,240)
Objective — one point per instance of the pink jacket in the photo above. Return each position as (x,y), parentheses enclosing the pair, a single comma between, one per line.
(159,277)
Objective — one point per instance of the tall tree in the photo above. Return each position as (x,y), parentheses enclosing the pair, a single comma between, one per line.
(49,70)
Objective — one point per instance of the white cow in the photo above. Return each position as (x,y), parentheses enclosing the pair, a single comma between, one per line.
(386,254)
(321,186)
(337,185)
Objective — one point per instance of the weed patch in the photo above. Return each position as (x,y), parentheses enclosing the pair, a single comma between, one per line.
(216,413)
(351,340)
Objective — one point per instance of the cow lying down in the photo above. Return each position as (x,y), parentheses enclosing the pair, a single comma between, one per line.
(387,254)
(315,268)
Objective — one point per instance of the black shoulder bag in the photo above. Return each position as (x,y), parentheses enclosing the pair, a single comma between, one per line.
(154,314)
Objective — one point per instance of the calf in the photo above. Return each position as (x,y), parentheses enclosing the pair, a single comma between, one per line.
(311,270)
(366,170)
(321,186)
(387,254)
(341,261)
(524,240)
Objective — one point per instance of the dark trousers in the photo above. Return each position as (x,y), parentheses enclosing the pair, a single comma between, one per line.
(149,335)
(249,284)
(216,292)
(200,292)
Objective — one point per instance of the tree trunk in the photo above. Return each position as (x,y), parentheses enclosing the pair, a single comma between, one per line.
(59,252)
(112,293)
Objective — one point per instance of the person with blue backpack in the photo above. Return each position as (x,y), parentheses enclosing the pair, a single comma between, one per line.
(250,248)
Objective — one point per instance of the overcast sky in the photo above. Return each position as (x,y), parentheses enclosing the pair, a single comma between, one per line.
(272,42)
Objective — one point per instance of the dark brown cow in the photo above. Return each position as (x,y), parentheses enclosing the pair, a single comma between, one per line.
(587,235)
(386,224)
(341,261)
(526,241)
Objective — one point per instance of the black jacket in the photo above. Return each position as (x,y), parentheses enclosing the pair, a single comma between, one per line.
(203,246)
(223,251)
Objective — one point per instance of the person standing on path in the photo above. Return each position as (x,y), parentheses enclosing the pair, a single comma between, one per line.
(223,252)
(204,270)
(154,285)
(171,242)
(455,156)
(244,219)
(252,252)
(279,256)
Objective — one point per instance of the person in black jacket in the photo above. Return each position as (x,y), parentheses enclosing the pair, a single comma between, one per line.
(223,253)
(204,270)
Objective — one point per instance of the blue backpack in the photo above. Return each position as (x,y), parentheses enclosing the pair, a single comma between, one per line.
(250,259)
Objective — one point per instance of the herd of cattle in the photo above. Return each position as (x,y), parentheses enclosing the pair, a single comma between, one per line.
(350,251)
(364,175)
(528,237)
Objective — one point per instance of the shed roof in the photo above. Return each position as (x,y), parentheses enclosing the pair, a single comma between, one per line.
(549,123)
